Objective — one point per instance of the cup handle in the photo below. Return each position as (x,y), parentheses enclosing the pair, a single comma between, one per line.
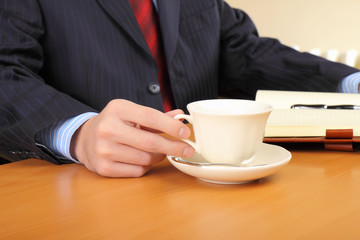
(189,119)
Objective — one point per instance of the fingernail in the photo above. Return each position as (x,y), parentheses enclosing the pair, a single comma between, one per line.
(181,132)
(187,151)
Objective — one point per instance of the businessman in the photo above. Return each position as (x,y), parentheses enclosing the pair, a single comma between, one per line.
(95,81)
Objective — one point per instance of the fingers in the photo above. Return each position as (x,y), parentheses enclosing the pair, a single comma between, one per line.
(172,114)
(175,112)
(125,154)
(117,160)
(154,143)
(109,159)
(118,143)
(125,134)
(119,169)
(150,118)
(122,132)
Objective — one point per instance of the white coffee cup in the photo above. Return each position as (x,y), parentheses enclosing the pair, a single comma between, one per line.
(227,130)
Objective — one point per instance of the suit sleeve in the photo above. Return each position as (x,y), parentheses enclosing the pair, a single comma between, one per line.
(249,62)
(27,103)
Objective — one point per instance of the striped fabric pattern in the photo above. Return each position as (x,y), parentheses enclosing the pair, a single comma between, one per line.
(60,59)
(61,133)
(146,15)
(58,136)
(350,84)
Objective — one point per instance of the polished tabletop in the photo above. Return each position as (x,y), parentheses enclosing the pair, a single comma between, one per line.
(315,196)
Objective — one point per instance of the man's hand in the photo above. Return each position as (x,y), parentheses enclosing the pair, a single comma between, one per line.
(123,140)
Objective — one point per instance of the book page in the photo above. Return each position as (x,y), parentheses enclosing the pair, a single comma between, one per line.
(310,122)
(287,122)
(285,99)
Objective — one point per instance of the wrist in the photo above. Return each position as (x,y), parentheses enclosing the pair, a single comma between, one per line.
(78,141)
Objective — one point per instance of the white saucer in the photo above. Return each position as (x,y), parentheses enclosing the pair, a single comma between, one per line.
(270,157)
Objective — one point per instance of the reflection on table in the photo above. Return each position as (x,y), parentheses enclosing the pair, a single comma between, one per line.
(315,196)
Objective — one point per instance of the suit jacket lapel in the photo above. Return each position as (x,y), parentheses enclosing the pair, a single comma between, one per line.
(169,22)
(122,13)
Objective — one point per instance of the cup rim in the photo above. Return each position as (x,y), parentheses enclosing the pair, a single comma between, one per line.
(269,108)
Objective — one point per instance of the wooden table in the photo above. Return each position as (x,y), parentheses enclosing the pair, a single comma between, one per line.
(316,196)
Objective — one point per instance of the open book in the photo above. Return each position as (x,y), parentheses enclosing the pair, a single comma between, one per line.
(307,122)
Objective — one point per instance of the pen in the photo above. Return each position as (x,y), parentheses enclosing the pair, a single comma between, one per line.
(324,106)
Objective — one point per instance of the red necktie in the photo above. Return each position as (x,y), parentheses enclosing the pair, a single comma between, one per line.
(148,21)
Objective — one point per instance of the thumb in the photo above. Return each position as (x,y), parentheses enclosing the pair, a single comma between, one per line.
(174,112)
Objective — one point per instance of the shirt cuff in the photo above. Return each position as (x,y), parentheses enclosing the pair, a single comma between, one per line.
(350,84)
(58,136)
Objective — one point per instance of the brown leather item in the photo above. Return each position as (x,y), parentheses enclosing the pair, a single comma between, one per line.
(339,133)
(335,139)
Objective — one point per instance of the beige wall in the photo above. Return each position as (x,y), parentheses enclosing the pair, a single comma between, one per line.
(324,24)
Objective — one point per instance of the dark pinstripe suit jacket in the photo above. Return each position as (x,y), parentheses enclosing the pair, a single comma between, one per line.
(59,58)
